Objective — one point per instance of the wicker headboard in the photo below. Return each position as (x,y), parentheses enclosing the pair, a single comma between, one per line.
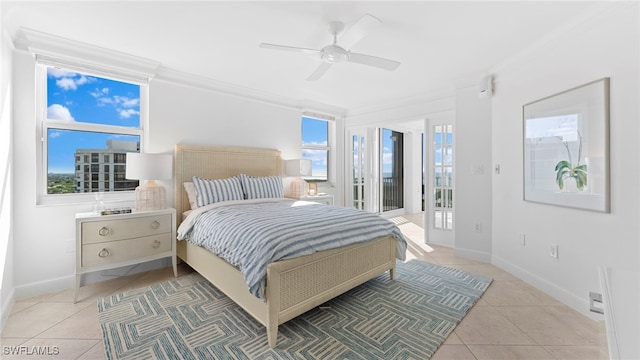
(218,162)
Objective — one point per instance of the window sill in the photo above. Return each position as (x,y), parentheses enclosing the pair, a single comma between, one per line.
(84,199)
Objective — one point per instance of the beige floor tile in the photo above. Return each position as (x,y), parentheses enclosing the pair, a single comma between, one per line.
(515,293)
(453,339)
(11,342)
(21,305)
(96,352)
(81,325)
(154,277)
(453,352)
(550,325)
(91,292)
(37,318)
(489,270)
(565,352)
(447,258)
(501,352)
(50,349)
(486,326)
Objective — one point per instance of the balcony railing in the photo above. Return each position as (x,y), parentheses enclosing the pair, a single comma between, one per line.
(392,193)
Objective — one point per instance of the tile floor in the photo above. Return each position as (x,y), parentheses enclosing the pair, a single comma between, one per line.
(512,320)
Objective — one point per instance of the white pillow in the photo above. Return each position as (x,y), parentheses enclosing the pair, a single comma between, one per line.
(261,187)
(212,191)
(191,194)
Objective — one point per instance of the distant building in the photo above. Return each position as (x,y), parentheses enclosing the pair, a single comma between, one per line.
(104,169)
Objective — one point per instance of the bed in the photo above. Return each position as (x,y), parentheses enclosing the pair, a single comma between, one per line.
(293,286)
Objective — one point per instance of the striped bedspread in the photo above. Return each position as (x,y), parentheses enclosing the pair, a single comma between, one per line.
(250,234)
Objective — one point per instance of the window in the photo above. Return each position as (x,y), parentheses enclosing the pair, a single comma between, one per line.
(88,125)
(315,146)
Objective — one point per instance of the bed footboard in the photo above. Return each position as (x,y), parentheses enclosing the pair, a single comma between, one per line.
(298,285)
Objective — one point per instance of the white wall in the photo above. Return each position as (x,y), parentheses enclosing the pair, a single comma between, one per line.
(472,175)
(45,235)
(6,180)
(606,45)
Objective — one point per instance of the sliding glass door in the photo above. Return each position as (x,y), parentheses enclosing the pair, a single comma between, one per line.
(392,166)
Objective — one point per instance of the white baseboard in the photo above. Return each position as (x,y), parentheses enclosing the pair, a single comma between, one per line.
(580,304)
(5,310)
(473,255)
(68,282)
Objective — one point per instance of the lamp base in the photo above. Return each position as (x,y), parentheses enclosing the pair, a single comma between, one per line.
(150,196)
(298,188)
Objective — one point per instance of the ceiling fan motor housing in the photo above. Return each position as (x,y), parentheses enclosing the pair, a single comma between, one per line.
(334,54)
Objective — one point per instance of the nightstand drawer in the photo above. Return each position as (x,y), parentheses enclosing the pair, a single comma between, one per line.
(111,229)
(123,250)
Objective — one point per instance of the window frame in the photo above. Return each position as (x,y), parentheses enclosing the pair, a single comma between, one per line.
(43,124)
(328,148)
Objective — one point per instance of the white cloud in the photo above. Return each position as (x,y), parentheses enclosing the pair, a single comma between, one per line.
(54,134)
(127,113)
(59,73)
(70,81)
(126,102)
(66,83)
(59,112)
(99,93)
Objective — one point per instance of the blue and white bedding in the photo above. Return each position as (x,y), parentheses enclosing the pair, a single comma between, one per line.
(250,234)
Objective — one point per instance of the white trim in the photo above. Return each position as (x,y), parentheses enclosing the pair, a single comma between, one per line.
(38,288)
(223,88)
(57,50)
(473,254)
(5,310)
(579,304)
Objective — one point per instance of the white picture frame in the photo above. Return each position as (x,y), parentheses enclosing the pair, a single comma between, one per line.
(566,148)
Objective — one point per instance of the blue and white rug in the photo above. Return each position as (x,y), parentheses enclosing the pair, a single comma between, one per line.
(188,318)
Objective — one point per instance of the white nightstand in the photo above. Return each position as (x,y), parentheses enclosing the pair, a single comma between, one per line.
(110,241)
(322,199)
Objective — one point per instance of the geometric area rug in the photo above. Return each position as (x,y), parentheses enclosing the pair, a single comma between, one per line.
(188,318)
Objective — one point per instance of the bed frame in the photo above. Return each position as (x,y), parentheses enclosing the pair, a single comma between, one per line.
(294,286)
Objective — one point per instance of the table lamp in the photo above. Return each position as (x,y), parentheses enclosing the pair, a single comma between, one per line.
(149,167)
(297,168)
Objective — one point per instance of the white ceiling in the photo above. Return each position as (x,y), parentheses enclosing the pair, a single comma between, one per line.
(441,44)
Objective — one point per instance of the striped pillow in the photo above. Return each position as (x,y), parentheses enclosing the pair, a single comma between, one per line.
(261,187)
(212,191)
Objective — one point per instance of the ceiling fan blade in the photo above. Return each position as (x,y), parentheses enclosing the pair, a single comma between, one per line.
(290,48)
(359,30)
(373,61)
(320,70)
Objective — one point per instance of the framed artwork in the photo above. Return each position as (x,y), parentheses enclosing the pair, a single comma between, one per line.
(566,148)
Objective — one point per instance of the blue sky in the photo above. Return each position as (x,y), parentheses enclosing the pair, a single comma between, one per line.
(314,132)
(72,96)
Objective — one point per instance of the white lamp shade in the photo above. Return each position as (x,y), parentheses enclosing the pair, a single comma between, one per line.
(148,166)
(298,167)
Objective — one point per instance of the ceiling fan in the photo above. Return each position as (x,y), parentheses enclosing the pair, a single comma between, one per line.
(338,52)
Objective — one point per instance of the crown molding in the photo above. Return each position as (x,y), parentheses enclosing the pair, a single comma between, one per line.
(55,49)
(228,89)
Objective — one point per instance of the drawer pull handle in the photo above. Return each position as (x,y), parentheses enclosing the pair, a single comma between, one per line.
(104,253)
(155,224)
(155,244)
(104,231)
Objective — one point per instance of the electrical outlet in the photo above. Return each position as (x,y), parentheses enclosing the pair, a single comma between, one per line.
(553,251)
(522,239)
(477,227)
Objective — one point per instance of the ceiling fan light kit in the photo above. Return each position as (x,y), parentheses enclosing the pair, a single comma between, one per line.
(334,53)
